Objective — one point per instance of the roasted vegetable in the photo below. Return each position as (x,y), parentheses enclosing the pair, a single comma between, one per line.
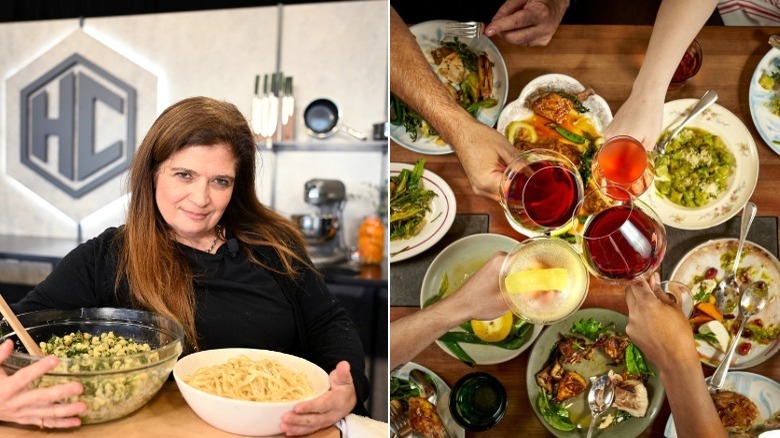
(409,202)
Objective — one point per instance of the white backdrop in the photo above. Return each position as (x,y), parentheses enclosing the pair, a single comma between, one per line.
(336,50)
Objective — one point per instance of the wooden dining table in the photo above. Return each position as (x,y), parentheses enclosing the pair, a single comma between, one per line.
(606,58)
(166,415)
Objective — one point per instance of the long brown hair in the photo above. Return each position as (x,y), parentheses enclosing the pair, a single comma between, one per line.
(159,276)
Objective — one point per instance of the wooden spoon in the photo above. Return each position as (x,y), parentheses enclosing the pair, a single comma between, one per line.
(32,348)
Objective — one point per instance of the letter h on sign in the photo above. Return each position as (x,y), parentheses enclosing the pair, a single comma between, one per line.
(82,164)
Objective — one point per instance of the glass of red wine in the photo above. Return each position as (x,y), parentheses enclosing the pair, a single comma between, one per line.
(620,237)
(539,191)
(623,163)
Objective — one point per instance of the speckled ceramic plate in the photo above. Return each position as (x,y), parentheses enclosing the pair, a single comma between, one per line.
(459,261)
(429,35)
(741,183)
(762,391)
(437,221)
(442,398)
(767,124)
(578,406)
(762,266)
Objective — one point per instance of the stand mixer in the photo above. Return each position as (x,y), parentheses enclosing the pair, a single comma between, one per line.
(323,230)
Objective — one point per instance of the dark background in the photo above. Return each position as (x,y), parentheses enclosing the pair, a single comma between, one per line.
(636,12)
(26,10)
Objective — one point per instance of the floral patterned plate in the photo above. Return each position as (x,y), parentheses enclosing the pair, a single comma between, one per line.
(767,124)
(756,263)
(723,123)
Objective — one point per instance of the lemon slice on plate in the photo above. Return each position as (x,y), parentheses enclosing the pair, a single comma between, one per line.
(494,330)
(532,280)
(520,130)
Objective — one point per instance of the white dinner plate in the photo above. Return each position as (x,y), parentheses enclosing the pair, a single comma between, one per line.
(429,35)
(740,185)
(767,124)
(762,391)
(520,109)
(762,265)
(442,398)
(437,221)
(459,261)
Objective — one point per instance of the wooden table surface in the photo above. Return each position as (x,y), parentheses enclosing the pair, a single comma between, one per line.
(606,58)
(166,415)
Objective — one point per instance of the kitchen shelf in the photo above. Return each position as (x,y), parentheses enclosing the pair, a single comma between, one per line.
(322,146)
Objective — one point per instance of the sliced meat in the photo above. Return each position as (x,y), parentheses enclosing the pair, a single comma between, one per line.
(630,396)
(615,347)
(440,53)
(557,105)
(571,385)
(452,69)
(545,379)
(736,412)
(573,349)
(552,106)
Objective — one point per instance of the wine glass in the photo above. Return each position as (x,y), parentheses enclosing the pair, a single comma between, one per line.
(539,192)
(620,237)
(622,162)
(543,280)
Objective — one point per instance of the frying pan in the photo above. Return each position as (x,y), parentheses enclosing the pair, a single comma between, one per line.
(321,118)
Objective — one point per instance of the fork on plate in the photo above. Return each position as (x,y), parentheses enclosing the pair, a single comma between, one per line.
(463,29)
(399,419)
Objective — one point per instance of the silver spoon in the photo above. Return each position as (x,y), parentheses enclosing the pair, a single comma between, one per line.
(706,100)
(752,301)
(600,397)
(424,384)
(774,41)
(727,290)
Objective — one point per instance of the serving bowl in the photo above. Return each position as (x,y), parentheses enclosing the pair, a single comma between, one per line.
(114,386)
(243,417)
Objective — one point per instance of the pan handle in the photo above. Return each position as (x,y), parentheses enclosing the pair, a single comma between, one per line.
(355,133)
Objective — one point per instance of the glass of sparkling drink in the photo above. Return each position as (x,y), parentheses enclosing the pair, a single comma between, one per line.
(543,280)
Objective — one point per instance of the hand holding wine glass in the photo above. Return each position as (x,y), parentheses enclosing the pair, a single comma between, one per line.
(539,191)
(621,238)
(623,163)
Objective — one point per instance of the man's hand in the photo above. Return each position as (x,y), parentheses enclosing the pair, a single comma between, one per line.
(527,22)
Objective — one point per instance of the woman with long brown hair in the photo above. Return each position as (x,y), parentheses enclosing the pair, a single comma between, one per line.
(199,247)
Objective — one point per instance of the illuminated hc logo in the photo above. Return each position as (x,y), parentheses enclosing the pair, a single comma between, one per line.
(77,126)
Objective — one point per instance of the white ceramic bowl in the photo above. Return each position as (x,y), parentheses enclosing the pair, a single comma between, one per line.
(240,416)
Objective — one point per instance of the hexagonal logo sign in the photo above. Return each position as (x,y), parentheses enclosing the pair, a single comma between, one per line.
(76,110)
(81,163)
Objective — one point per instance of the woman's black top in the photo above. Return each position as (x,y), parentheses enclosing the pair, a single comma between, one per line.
(238,304)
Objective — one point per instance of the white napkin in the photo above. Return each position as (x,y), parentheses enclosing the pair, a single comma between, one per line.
(356,426)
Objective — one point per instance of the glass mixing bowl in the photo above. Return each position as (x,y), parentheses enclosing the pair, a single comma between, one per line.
(114,386)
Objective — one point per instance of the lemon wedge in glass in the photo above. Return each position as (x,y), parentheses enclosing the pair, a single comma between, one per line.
(532,280)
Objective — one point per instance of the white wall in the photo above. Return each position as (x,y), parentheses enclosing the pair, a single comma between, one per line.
(336,50)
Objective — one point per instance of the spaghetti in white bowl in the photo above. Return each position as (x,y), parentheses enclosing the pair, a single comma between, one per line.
(246,391)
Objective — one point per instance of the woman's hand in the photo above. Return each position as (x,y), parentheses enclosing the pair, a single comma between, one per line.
(325,410)
(641,117)
(38,407)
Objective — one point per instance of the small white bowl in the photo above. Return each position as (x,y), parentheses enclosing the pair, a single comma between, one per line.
(241,416)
